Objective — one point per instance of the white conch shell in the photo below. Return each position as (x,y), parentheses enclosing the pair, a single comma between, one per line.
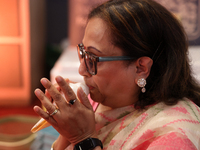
(75,87)
(41,124)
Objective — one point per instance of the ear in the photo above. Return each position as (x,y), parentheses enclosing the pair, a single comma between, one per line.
(143,65)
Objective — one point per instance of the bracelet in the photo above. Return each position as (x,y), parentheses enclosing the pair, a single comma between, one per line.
(53,145)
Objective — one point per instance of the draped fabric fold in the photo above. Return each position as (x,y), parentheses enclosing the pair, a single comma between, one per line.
(157,127)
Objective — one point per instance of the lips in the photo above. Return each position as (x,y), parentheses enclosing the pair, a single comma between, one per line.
(90,87)
(87,82)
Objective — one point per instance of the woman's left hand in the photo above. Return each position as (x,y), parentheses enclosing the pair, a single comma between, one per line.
(75,122)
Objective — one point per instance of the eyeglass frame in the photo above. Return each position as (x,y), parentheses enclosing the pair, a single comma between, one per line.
(81,48)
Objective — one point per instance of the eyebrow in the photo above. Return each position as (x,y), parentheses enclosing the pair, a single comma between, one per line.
(91,47)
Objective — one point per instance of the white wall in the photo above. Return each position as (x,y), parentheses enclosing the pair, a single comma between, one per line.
(194,55)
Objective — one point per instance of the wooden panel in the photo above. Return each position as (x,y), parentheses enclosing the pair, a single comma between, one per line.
(14,52)
(9,18)
(10,65)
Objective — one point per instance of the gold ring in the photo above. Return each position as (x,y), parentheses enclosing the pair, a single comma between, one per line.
(53,113)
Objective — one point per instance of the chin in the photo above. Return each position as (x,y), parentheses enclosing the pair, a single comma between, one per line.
(96,98)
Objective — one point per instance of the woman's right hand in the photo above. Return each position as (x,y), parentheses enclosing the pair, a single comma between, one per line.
(76,121)
(57,87)
(61,142)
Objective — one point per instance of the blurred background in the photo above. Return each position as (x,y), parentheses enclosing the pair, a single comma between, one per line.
(38,39)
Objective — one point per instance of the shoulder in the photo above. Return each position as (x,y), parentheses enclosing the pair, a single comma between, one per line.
(185,108)
(171,127)
(177,124)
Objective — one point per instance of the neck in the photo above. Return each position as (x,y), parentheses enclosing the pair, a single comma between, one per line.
(102,108)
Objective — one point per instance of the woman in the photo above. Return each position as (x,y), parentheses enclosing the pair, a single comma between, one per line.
(133,58)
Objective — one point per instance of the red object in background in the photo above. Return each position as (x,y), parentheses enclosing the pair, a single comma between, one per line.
(5,111)
(10,111)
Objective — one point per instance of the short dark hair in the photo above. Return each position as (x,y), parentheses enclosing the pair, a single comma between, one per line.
(146,28)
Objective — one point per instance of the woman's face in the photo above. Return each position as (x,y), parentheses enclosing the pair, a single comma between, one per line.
(114,84)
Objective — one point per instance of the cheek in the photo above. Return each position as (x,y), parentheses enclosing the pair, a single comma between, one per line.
(108,82)
(103,88)
(112,80)
(99,93)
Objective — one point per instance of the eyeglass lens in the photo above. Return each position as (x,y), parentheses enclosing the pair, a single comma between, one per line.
(90,61)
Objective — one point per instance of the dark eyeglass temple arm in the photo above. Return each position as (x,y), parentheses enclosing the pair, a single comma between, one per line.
(114,58)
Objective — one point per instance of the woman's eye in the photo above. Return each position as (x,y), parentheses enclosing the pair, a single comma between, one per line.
(91,60)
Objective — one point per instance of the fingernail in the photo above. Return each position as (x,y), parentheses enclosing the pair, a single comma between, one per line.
(44,81)
(59,79)
(37,92)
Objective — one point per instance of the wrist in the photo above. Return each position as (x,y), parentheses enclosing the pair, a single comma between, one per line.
(60,143)
(53,145)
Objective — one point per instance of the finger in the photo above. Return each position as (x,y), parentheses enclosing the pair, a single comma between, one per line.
(44,115)
(45,102)
(48,95)
(41,112)
(66,89)
(55,94)
(83,98)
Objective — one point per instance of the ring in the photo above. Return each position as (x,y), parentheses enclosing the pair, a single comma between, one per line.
(53,113)
(72,101)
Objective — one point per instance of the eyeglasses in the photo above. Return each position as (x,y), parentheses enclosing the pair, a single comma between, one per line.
(91,59)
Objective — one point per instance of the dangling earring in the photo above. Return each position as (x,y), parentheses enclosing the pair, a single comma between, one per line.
(141,83)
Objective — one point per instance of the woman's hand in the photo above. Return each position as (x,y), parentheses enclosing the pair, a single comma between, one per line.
(58,88)
(75,122)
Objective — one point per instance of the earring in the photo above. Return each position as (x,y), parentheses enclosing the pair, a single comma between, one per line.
(141,83)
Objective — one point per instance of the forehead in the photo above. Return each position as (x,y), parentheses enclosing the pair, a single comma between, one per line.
(98,35)
(96,29)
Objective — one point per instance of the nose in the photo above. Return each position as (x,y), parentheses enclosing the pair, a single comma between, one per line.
(82,69)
